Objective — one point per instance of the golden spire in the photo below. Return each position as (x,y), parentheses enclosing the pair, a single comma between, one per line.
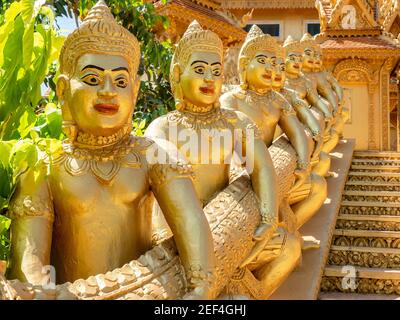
(293,46)
(99,33)
(256,41)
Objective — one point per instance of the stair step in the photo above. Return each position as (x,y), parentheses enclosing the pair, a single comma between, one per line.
(372,183)
(371,187)
(375,161)
(366,233)
(367,168)
(373,193)
(370,204)
(368,222)
(371,217)
(376,196)
(374,174)
(355,296)
(368,257)
(376,154)
(361,272)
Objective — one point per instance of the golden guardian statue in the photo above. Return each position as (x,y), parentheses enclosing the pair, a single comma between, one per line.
(88,210)
(196,78)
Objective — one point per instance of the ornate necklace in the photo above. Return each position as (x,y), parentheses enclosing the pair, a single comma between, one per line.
(103,162)
(214,119)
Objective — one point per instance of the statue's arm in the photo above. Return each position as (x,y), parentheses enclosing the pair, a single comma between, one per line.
(294,130)
(315,100)
(32,215)
(173,188)
(335,85)
(306,117)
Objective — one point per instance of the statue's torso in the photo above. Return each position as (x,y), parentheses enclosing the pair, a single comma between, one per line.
(300,85)
(102,214)
(264,110)
(210,163)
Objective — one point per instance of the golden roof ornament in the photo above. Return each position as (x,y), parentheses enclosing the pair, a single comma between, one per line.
(99,33)
(308,41)
(257,40)
(292,45)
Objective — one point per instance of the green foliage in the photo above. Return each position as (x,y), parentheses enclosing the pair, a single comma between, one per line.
(29,48)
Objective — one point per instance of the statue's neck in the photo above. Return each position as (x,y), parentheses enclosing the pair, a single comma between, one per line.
(192,108)
(86,140)
(260,91)
(292,75)
(306,70)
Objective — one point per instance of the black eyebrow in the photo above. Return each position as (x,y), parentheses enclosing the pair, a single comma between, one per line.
(121,69)
(261,55)
(91,66)
(199,61)
(213,64)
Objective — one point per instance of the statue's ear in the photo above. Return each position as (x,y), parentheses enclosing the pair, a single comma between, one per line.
(62,87)
(243,62)
(176,73)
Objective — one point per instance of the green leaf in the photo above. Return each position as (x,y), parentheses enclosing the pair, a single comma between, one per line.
(27,122)
(5,153)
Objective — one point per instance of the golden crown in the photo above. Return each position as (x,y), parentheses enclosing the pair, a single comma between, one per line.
(99,34)
(196,39)
(293,46)
(256,41)
(308,42)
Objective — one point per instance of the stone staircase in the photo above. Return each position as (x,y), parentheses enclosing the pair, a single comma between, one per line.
(364,258)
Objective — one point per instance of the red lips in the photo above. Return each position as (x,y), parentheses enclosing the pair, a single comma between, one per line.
(107,108)
(207,90)
(279,78)
(267,76)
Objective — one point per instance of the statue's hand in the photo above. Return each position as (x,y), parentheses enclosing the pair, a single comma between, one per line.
(262,235)
(300,177)
(319,142)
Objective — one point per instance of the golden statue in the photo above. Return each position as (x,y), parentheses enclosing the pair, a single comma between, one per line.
(269,109)
(196,78)
(88,209)
(299,58)
(306,116)
(325,79)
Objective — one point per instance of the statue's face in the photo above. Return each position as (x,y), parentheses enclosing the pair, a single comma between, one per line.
(279,74)
(308,58)
(260,70)
(317,61)
(294,63)
(101,94)
(201,80)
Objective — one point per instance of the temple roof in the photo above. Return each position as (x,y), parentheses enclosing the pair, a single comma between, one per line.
(267,4)
(218,21)
(375,47)
(371,43)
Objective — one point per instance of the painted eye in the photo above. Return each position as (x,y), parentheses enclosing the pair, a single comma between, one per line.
(121,82)
(217,72)
(199,70)
(91,80)
(261,60)
(283,67)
